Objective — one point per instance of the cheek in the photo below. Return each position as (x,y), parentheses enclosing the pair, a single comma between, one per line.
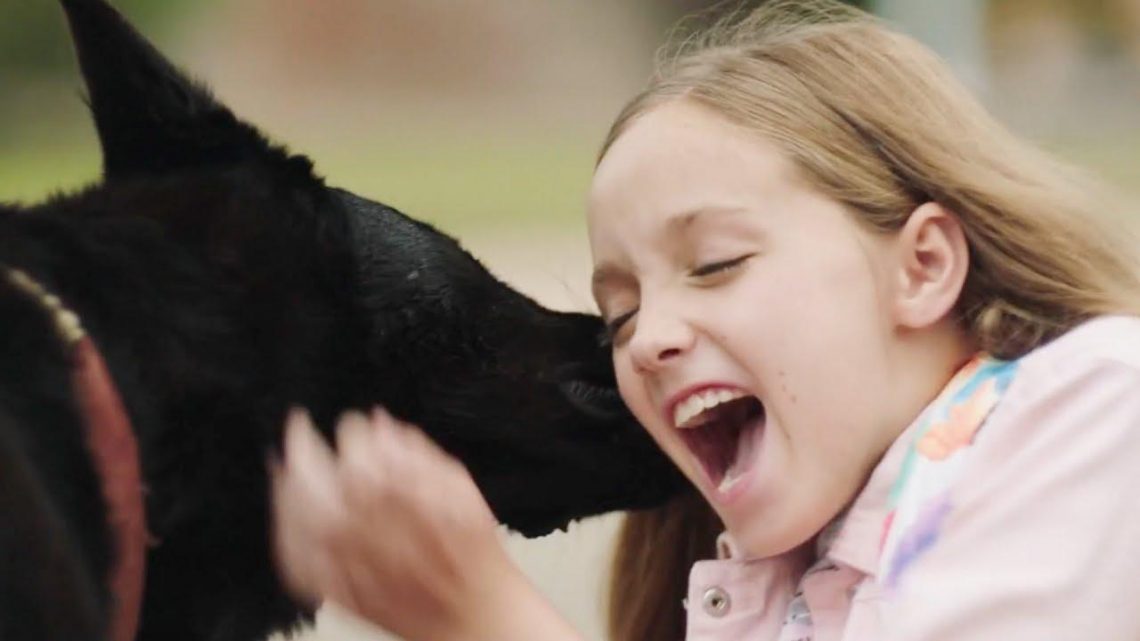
(637,399)
(814,341)
(632,389)
(831,309)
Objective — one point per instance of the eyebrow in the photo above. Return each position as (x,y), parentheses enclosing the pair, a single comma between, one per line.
(685,219)
(606,273)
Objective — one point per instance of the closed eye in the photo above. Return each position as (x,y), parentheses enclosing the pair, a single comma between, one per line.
(708,269)
(614,326)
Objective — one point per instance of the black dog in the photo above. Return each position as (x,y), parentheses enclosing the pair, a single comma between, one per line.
(223,282)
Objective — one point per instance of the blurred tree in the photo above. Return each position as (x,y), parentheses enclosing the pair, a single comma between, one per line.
(33,34)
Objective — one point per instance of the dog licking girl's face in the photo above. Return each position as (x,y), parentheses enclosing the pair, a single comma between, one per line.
(355,304)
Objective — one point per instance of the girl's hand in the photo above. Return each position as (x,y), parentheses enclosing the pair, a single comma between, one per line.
(394,529)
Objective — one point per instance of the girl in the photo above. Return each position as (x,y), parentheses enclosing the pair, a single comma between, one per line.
(886,341)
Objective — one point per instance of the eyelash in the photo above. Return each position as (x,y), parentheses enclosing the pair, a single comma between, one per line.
(614,326)
(709,269)
(701,271)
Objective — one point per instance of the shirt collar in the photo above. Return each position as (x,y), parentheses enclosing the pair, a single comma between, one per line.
(860,538)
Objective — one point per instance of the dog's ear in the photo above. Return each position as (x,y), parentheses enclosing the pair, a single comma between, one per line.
(151,118)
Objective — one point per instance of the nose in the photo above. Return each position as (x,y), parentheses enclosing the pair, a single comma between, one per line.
(659,338)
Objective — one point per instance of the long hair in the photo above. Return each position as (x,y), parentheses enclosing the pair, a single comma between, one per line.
(874,120)
(654,551)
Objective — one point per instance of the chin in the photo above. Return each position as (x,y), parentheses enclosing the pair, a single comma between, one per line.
(766,534)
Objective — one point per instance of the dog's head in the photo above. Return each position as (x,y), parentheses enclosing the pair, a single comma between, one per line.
(358,304)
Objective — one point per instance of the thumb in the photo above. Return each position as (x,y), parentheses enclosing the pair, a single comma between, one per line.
(310,468)
(307,506)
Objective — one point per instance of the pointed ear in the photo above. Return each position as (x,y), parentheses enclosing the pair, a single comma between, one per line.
(151,118)
(934,259)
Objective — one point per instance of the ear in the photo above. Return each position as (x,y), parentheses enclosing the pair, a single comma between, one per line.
(934,258)
(151,119)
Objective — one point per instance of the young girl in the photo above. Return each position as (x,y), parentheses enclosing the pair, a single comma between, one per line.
(886,341)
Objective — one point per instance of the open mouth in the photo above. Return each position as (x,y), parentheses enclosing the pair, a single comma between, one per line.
(723,435)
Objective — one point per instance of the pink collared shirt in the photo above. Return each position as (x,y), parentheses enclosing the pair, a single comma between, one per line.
(1037,535)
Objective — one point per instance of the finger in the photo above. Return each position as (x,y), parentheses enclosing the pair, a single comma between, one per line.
(381,415)
(293,539)
(363,473)
(387,426)
(389,445)
(414,448)
(429,472)
(355,444)
(305,501)
(304,447)
(297,563)
(351,430)
(311,490)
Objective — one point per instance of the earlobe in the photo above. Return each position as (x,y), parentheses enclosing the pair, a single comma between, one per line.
(933,262)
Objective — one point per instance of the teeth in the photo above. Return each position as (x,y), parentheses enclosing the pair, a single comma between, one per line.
(696,404)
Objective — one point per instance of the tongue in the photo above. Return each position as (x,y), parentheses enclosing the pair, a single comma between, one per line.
(741,462)
(725,443)
(715,444)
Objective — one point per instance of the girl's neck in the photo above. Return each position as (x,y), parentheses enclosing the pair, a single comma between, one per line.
(924,363)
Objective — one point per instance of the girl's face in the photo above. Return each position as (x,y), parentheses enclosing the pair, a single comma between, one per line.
(753,323)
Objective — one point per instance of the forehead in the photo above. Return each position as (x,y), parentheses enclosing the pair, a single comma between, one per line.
(681,157)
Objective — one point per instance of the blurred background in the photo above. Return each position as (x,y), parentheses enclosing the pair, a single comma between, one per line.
(483,117)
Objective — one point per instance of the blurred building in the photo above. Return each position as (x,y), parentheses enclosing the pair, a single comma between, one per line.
(1052,67)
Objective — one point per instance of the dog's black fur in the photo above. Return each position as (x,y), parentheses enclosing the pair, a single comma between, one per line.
(224,283)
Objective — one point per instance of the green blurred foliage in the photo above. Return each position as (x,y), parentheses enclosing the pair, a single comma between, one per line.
(33,34)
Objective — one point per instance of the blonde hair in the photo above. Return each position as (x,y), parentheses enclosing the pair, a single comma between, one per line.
(654,551)
(874,120)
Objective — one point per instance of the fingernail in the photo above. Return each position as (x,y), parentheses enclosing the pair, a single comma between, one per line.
(353,419)
(299,432)
(297,416)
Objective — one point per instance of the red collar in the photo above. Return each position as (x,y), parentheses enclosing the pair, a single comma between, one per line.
(114,453)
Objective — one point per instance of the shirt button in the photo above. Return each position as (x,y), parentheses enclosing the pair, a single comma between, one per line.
(716,602)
